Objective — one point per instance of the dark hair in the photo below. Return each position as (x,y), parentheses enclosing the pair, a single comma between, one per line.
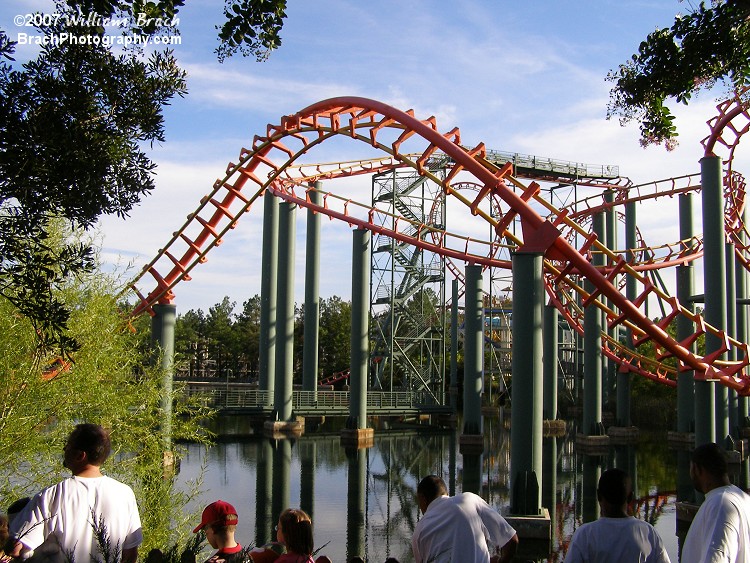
(91,439)
(296,528)
(712,458)
(614,487)
(431,487)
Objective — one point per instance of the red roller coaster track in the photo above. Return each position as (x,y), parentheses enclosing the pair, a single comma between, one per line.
(273,165)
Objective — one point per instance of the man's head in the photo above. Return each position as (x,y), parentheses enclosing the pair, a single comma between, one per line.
(428,489)
(614,492)
(708,467)
(88,444)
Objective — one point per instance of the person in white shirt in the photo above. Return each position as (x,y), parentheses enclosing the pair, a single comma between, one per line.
(461,528)
(71,510)
(616,537)
(720,530)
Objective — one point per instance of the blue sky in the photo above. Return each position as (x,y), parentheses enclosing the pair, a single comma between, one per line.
(524,77)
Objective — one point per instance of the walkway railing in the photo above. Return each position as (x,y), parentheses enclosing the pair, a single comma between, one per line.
(239,397)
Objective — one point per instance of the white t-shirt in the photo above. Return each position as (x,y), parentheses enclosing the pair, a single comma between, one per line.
(461,528)
(615,540)
(67,510)
(721,529)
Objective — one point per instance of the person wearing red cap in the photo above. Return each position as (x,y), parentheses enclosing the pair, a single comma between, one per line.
(219,521)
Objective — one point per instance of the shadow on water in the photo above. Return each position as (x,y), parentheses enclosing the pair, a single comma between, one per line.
(362,502)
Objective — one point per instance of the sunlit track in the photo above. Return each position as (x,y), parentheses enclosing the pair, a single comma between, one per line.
(388,130)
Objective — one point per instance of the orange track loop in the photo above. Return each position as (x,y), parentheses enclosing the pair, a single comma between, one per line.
(389,130)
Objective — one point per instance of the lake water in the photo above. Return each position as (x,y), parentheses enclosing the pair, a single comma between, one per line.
(362,502)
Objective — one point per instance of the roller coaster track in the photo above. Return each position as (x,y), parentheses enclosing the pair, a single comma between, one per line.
(267,168)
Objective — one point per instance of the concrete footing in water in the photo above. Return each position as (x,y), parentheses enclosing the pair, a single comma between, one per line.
(623,435)
(534,533)
(358,437)
(471,444)
(279,429)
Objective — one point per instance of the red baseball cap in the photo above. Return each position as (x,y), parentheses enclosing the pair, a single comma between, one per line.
(218,512)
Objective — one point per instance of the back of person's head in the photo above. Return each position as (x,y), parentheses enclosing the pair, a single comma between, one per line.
(614,487)
(712,458)
(91,439)
(16,507)
(296,528)
(431,487)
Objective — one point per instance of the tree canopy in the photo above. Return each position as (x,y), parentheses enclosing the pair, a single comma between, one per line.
(709,45)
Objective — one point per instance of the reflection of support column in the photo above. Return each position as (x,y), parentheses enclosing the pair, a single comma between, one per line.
(731,326)
(707,407)
(269,266)
(526,365)
(623,378)
(452,464)
(282,398)
(282,469)
(356,432)
(549,481)
(685,487)
(308,459)
(685,381)
(592,352)
(453,391)
(472,473)
(473,356)
(312,297)
(591,473)
(162,334)
(264,521)
(355,505)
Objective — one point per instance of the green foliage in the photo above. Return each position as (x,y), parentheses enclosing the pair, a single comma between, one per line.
(110,382)
(707,45)
(251,28)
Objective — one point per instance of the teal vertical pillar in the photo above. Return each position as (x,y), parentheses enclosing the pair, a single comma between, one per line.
(731,326)
(526,370)
(162,334)
(591,472)
(355,503)
(685,276)
(550,337)
(592,353)
(623,410)
(549,482)
(312,297)
(308,462)
(473,350)
(269,268)
(264,522)
(360,329)
(282,470)
(742,326)
(472,473)
(282,403)
(453,390)
(610,368)
(710,406)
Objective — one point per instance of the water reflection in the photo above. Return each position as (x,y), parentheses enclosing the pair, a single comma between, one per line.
(362,502)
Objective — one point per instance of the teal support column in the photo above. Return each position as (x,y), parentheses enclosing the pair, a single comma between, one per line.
(610,367)
(269,268)
(473,350)
(312,296)
(685,289)
(308,462)
(623,414)
(472,474)
(592,353)
(162,334)
(282,403)
(589,503)
(549,482)
(742,326)
(264,521)
(526,370)
(355,503)
(550,359)
(453,390)
(360,329)
(711,409)
(282,471)
(731,326)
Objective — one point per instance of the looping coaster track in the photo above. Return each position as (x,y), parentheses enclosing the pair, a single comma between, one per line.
(274,165)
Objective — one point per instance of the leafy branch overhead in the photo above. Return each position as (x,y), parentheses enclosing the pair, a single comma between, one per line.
(709,45)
